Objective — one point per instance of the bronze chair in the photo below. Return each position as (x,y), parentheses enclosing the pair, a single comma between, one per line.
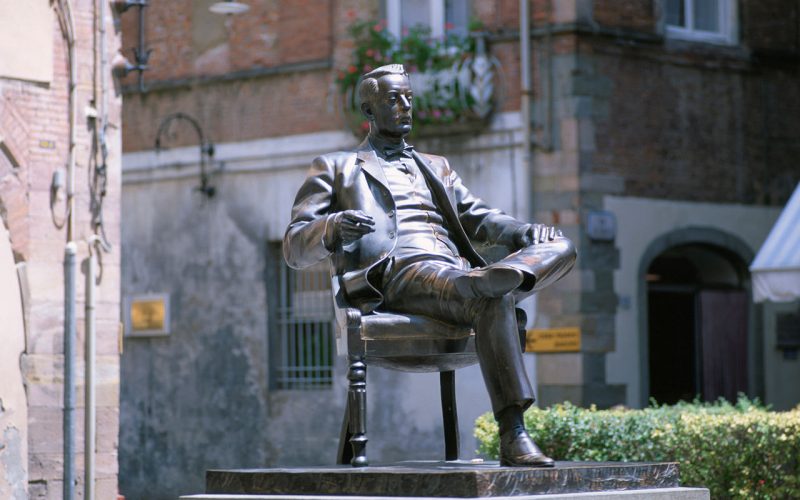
(403,342)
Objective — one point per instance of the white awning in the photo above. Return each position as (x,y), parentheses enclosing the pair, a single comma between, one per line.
(776,268)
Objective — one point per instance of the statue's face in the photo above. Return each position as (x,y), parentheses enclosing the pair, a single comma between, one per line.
(391,107)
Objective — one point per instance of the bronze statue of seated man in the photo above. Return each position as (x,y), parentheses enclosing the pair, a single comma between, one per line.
(399,227)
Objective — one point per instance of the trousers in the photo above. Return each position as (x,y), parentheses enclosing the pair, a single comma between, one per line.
(426,287)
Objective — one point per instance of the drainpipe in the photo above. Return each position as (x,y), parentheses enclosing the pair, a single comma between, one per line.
(89,354)
(73,113)
(548,81)
(527,144)
(525,93)
(70,251)
(69,372)
(89,386)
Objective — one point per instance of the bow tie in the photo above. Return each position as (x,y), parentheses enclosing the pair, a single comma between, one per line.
(390,152)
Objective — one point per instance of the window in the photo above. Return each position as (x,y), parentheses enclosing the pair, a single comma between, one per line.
(441,16)
(711,21)
(304,325)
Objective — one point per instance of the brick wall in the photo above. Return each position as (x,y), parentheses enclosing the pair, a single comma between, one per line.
(771,25)
(631,14)
(189,41)
(35,126)
(697,121)
(297,46)
(235,111)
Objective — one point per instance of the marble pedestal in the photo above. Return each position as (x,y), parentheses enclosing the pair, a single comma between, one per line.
(420,480)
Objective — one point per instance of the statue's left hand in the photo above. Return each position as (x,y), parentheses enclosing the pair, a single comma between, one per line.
(537,233)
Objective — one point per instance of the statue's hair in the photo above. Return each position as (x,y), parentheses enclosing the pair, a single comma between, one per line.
(368,86)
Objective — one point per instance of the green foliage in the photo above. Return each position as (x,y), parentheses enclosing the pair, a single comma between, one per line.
(737,451)
(375,46)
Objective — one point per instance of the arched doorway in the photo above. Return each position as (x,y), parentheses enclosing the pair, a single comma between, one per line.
(697,323)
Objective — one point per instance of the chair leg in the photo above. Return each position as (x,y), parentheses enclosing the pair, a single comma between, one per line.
(357,411)
(522,320)
(447,384)
(345,453)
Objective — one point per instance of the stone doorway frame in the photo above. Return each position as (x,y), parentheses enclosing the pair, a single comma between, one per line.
(717,238)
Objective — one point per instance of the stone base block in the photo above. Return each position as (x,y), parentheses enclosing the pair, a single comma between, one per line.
(448,480)
(649,494)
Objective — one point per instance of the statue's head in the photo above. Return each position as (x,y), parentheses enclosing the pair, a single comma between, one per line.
(386,100)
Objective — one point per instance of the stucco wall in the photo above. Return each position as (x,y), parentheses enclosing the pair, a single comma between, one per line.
(640,221)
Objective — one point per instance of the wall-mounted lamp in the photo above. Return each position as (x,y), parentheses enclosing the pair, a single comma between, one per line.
(229,7)
(141,54)
(206,148)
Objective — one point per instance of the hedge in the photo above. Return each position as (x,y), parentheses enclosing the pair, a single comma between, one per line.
(736,451)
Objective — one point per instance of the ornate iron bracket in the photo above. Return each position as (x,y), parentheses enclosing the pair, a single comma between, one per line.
(206,148)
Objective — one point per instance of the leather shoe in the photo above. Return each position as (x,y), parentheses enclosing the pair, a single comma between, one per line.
(489,281)
(517,449)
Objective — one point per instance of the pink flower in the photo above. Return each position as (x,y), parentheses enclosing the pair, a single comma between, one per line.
(367,68)
(352,69)
(370,53)
(449,26)
(364,126)
(437,113)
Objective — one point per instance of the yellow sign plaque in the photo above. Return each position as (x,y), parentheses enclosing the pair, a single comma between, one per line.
(566,339)
(148,315)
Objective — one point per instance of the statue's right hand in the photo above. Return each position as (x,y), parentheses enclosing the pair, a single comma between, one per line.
(349,226)
(537,233)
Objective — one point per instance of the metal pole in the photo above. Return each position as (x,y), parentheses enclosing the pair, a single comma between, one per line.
(89,385)
(142,52)
(69,373)
(525,83)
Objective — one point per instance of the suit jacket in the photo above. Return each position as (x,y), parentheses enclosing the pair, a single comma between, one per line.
(354,180)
